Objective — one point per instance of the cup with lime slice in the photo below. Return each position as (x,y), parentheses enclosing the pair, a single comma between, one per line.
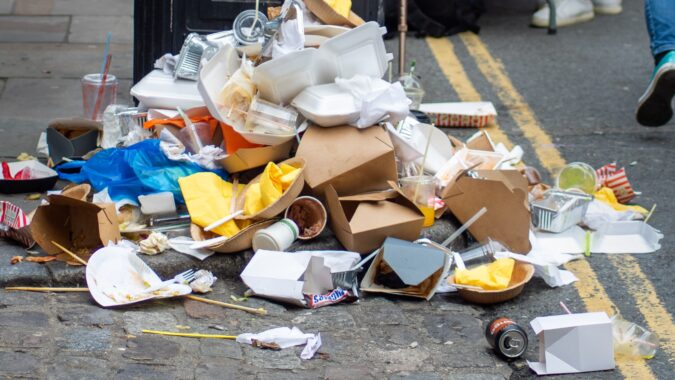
(577,175)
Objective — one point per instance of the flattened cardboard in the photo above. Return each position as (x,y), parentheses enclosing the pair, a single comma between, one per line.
(504,194)
(481,140)
(249,158)
(573,343)
(74,224)
(353,161)
(363,222)
(327,15)
(419,267)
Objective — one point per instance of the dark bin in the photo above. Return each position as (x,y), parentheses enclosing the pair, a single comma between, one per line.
(160,26)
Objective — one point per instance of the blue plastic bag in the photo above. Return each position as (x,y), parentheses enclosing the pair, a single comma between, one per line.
(139,169)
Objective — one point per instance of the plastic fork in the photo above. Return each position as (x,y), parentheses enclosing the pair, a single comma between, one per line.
(181,278)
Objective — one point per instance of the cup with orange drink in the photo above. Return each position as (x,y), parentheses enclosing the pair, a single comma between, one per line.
(422,191)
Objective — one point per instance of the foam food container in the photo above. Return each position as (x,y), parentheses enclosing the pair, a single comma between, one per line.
(160,90)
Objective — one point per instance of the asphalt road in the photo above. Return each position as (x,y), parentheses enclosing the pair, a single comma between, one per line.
(567,97)
(581,86)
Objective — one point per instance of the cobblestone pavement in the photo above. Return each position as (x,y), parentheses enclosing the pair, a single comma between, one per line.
(68,336)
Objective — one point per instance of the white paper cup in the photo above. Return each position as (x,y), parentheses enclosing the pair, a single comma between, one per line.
(277,237)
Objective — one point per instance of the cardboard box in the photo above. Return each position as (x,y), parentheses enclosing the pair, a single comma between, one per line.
(573,343)
(460,114)
(74,224)
(363,222)
(504,194)
(418,267)
(352,160)
(288,276)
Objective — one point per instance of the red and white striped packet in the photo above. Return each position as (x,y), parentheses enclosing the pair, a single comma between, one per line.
(12,216)
(14,224)
(616,179)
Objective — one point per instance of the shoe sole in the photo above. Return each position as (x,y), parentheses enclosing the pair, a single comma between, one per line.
(654,107)
(608,10)
(570,21)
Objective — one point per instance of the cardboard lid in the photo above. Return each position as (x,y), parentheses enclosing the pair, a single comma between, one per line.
(325,13)
(504,194)
(413,263)
(249,158)
(336,155)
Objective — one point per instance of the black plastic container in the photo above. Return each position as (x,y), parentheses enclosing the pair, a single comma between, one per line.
(160,26)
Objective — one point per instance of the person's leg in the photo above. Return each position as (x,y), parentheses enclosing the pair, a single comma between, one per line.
(655,106)
(660,15)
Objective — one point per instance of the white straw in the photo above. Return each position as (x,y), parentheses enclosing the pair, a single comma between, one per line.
(224,220)
(464,227)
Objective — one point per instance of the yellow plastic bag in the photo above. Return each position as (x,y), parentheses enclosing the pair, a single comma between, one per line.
(341,7)
(273,182)
(208,198)
(493,276)
(606,195)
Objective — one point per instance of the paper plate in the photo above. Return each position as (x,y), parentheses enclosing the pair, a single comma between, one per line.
(116,276)
(522,274)
(237,243)
(282,203)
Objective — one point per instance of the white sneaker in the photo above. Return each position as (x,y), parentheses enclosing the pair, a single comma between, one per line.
(607,7)
(568,12)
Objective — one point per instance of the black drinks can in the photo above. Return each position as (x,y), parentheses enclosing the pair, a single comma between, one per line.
(507,338)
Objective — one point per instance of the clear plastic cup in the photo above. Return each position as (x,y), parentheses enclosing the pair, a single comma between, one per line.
(91,87)
(577,175)
(422,191)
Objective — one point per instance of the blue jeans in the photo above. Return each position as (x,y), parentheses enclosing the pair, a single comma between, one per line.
(660,16)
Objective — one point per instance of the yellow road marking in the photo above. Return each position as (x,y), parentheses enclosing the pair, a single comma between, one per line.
(657,317)
(452,68)
(520,111)
(590,290)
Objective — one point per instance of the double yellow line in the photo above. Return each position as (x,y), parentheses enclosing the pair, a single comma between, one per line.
(589,287)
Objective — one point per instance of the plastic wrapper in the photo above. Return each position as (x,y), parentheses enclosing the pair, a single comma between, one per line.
(633,341)
(203,281)
(237,95)
(129,172)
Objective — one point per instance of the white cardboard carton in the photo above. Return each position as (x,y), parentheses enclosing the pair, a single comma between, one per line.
(573,343)
(287,276)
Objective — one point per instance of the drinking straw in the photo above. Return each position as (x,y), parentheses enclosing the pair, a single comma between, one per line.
(224,220)
(43,289)
(71,254)
(99,95)
(562,304)
(106,49)
(255,19)
(190,335)
(424,160)
(464,227)
(259,311)
(650,213)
